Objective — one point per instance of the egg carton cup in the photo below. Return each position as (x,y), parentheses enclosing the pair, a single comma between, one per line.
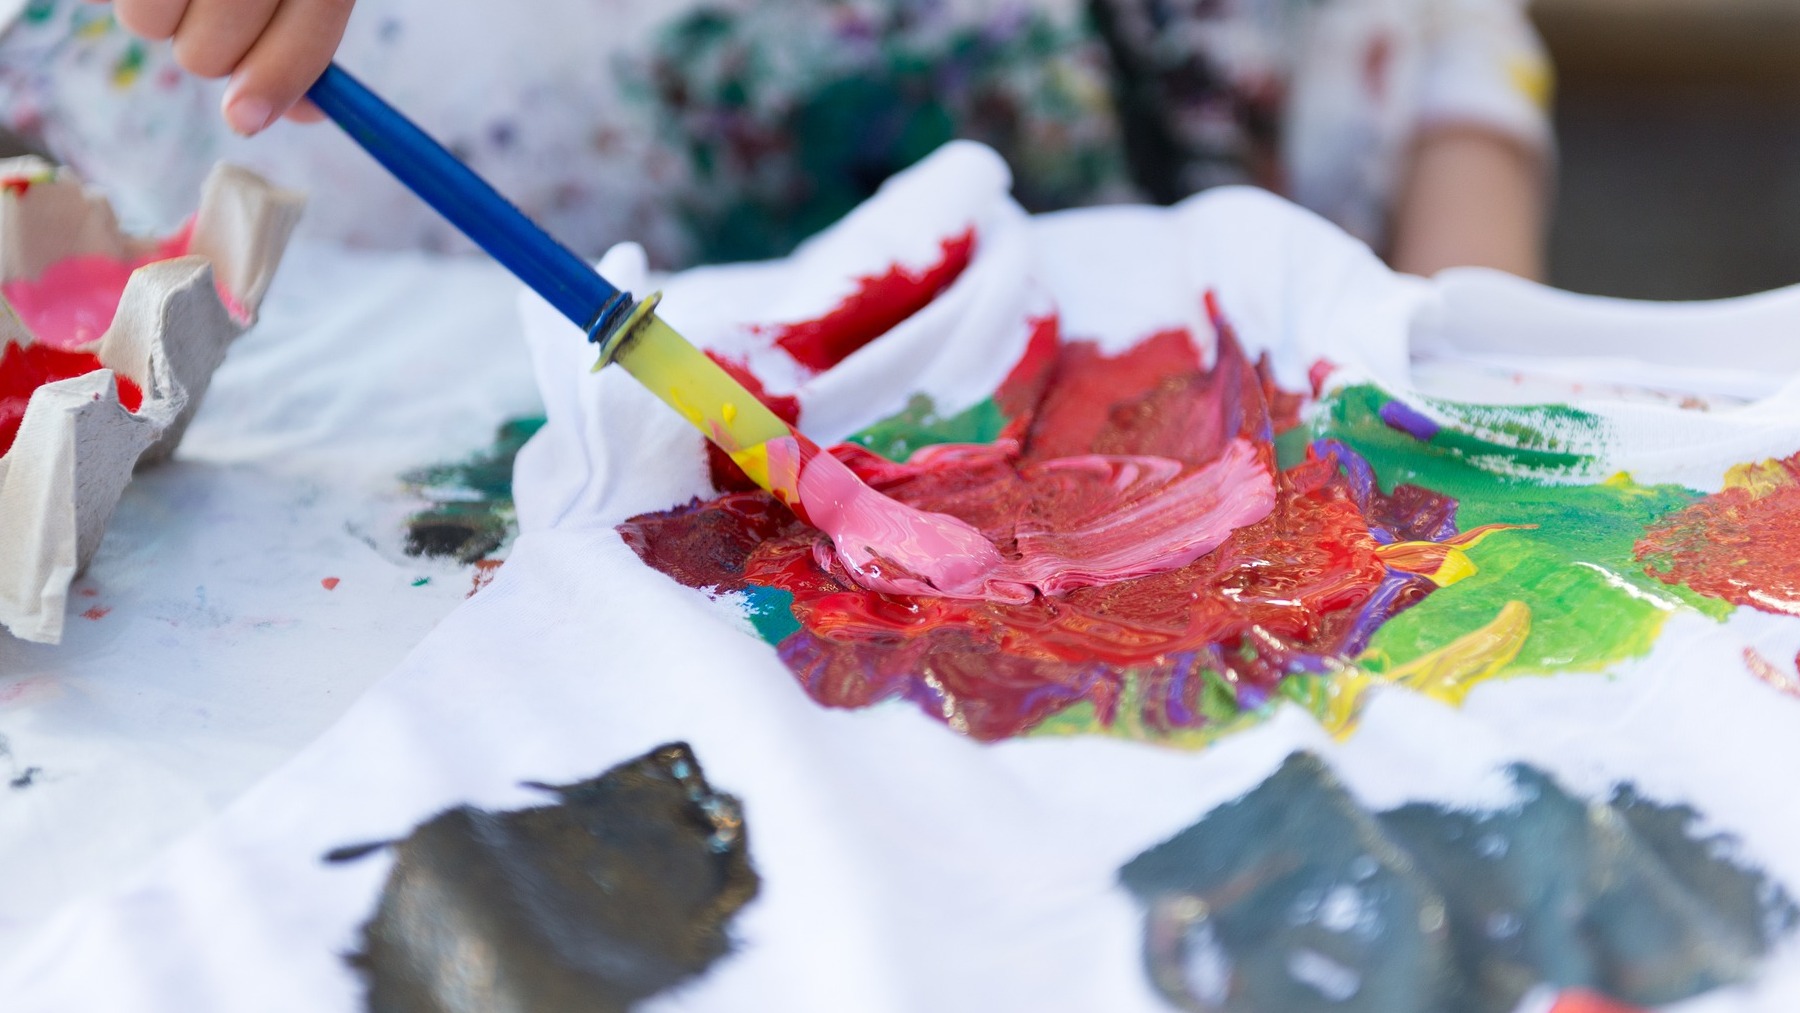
(78,446)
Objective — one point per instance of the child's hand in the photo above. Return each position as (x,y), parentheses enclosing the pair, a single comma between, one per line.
(273,50)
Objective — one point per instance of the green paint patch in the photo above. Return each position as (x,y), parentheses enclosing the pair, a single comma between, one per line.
(1218,703)
(1591,604)
(1478,448)
(471,513)
(918,425)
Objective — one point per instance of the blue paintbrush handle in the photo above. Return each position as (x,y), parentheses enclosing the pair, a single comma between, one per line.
(444,182)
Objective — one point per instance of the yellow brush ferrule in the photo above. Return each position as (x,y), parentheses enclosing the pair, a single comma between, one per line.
(695,386)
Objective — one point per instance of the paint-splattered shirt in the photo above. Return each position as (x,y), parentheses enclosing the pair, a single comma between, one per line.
(731,129)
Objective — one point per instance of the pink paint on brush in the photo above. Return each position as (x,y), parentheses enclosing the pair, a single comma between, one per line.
(886,545)
(73,302)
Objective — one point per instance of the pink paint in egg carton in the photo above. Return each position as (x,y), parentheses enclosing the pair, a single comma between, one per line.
(109,342)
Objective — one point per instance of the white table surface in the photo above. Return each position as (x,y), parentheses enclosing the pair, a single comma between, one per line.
(218,652)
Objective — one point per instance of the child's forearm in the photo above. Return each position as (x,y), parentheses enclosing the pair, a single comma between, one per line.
(1472,197)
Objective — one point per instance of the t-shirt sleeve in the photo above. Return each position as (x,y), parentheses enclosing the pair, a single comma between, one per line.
(1485,66)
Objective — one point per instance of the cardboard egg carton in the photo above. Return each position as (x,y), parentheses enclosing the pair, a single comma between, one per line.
(78,446)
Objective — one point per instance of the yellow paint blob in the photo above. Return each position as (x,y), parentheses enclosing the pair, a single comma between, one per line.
(1446,674)
(1760,478)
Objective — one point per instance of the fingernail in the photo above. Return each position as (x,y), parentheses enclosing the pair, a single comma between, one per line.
(249,115)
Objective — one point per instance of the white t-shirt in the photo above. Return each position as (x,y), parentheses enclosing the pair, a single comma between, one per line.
(729,130)
(907,866)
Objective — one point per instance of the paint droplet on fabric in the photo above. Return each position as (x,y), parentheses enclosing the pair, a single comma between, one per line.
(421,582)
(89,592)
(1316,376)
(97,613)
(1583,1001)
(26,779)
(330,583)
(1786,683)
(485,572)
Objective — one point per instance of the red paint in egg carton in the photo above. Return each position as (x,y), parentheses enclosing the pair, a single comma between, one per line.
(25,368)
(93,314)
(72,303)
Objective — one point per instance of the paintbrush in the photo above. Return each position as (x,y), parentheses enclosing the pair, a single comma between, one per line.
(627,330)
(887,545)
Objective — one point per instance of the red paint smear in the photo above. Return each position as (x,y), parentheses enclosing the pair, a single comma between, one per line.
(726,475)
(18,186)
(1316,376)
(1735,545)
(485,572)
(1786,683)
(330,583)
(1583,1001)
(96,613)
(879,303)
(25,368)
(73,302)
(1273,598)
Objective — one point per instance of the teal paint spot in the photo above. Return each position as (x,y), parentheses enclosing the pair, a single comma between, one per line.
(771,612)
(421,582)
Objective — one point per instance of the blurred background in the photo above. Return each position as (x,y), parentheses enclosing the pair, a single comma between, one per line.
(1679,125)
(1679,122)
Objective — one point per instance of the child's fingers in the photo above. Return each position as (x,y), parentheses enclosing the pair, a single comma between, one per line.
(305,112)
(155,20)
(215,35)
(293,51)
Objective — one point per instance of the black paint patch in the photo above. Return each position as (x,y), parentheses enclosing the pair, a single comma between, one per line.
(620,891)
(1295,898)
(25,778)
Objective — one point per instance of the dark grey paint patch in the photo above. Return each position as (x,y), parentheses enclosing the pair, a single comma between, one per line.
(620,891)
(1294,898)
